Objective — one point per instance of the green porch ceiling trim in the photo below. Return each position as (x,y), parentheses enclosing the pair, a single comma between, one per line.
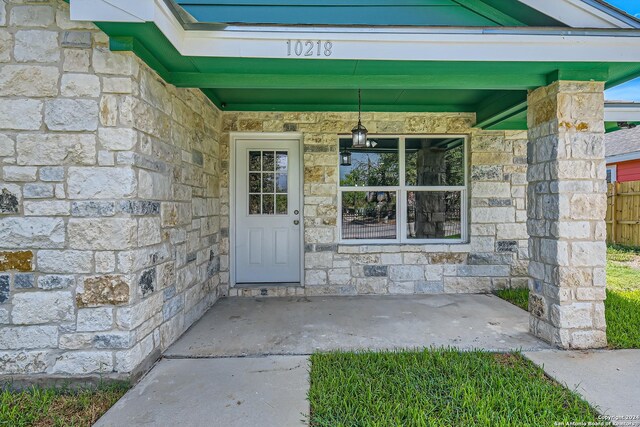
(296,81)
(491,13)
(500,107)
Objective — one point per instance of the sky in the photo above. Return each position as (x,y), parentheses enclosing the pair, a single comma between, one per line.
(629,91)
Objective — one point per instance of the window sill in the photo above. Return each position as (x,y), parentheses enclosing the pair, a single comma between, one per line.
(363,248)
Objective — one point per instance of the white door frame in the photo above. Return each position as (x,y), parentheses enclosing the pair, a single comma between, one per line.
(264,136)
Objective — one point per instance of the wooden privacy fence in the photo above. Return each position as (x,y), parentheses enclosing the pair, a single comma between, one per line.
(623,213)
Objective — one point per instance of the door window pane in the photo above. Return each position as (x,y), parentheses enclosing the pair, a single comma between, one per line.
(433,215)
(281,204)
(434,161)
(254,161)
(268,161)
(369,215)
(265,183)
(254,204)
(267,204)
(375,166)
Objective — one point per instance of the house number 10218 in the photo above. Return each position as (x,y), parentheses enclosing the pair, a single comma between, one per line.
(309,48)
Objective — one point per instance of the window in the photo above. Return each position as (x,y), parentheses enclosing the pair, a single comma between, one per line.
(406,189)
(612,174)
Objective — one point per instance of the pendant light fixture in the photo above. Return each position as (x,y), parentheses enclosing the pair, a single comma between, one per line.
(345,158)
(359,133)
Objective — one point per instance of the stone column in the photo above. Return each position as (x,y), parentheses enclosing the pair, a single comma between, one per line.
(566,211)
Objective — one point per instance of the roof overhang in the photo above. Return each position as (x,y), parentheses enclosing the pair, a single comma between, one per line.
(371,43)
(627,157)
(584,13)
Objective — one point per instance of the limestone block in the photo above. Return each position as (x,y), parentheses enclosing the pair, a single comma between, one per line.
(135,315)
(19,174)
(576,315)
(405,272)
(149,231)
(36,46)
(32,232)
(101,183)
(71,115)
(56,149)
(372,285)
(107,62)
(47,208)
(490,189)
(28,337)
(517,231)
(105,262)
(102,233)
(588,339)
(83,362)
(64,261)
(467,285)
(318,260)
(6,42)
(315,277)
(76,61)
(31,308)
(103,290)
(24,362)
(7,146)
(80,85)
(20,114)
(29,81)
(118,85)
(37,191)
(31,16)
(117,139)
(493,215)
(588,254)
(128,360)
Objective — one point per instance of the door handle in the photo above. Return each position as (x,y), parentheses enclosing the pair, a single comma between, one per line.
(296,222)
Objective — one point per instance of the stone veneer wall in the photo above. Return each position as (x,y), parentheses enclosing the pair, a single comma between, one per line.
(496,256)
(109,200)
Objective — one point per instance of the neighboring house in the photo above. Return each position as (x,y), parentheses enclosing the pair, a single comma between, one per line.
(622,150)
(156,157)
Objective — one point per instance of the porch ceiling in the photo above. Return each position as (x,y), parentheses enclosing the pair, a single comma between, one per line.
(495,91)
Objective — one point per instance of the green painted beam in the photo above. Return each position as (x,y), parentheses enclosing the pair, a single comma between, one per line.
(399,108)
(491,13)
(500,107)
(468,80)
(585,72)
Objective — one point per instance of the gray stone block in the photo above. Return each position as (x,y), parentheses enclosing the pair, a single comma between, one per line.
(52,173)
(4,288)
(24,281)
(93,209)
(148,281)
(172,307)
(430,287)
(376,271)
(55,282)
(77,39)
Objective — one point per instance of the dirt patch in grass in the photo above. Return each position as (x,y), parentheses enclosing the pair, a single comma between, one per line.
(39,407)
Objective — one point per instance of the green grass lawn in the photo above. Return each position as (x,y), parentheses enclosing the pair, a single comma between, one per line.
(438,387)
(622,306)
(40,407)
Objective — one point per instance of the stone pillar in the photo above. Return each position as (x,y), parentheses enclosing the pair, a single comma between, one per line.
(566,211)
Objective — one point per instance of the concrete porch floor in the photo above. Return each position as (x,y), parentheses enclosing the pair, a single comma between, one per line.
(244,363)
(302,325)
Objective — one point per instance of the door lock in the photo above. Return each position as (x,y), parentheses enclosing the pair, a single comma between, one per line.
(296,222)
(296,212)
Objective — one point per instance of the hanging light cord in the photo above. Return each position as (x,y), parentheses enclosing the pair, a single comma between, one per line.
(359,106)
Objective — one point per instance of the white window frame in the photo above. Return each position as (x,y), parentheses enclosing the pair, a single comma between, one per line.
(614,172)
(401,200)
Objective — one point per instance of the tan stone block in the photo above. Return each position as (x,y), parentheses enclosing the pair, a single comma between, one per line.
(103,290)
(18,261)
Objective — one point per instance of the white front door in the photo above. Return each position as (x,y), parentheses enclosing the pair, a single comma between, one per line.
(268,218)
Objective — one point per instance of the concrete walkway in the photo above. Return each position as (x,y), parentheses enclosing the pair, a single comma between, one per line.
(608,379)
(266,391)
(244,363)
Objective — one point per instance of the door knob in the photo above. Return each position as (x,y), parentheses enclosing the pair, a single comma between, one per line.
(296,222)
(296,212)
